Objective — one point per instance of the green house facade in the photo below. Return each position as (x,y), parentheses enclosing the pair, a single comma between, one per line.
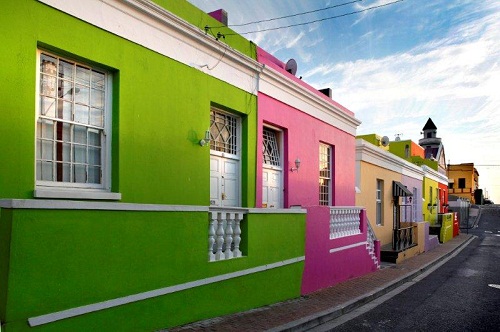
(127,187)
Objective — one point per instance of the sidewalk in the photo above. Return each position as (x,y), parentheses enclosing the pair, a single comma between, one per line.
(313,309)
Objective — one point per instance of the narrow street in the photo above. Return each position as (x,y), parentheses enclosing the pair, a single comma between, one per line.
(461,295)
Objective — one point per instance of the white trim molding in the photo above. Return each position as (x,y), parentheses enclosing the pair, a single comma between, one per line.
(279,87)
(82,310)
(350,246)
(153,27)
(47,204)
(435,175)
(372,154)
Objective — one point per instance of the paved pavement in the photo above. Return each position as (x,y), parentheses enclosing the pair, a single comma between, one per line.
(311,310)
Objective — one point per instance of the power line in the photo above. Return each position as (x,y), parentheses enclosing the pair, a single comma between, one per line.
(294,15)
(315,21)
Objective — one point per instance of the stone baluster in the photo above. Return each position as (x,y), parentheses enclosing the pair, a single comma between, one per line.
(229,235)
(349,221)
(237,235)
(219,255)
(211,236)
(345,225)
(332,224)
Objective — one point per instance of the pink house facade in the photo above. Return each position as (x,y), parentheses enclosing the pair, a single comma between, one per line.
(306,158)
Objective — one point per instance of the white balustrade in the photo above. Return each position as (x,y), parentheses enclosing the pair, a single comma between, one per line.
(224,235)
(344,221)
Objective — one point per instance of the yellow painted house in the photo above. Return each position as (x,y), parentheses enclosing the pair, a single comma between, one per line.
(379,178)
(463,180)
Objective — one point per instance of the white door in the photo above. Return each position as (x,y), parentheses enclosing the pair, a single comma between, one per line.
(272,170)
(224,188)
(224,159)
(271,188)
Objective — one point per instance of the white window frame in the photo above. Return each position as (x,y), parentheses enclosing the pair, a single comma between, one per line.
(279,143)
(379,203)
(54,189)
(329,178)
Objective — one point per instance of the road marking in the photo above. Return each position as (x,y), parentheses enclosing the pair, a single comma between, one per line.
(494,286)
(489,232)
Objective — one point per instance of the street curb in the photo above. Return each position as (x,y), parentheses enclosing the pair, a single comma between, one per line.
(319,318)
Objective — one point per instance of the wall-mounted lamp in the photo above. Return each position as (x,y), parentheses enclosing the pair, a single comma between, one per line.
(204,141)
(297,165)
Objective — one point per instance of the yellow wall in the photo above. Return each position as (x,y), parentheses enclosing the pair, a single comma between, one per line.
(367,198)
(468,172)
(430,213)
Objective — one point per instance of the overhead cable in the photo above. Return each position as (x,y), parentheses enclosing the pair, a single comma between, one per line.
(294,15)
(315,21)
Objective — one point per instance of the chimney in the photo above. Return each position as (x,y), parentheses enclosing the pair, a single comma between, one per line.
(326,92)
(220,15)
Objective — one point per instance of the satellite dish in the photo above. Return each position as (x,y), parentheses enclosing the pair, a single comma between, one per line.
(385,141)
(291,66)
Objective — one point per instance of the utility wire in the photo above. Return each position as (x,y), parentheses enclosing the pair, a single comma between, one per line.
(315,21)
(294,15)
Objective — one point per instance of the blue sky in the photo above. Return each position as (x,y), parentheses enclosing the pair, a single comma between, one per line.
(396,66)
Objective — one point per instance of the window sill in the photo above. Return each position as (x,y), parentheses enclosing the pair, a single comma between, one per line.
(94,194)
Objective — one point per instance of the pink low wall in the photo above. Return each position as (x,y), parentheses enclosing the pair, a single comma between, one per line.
(324,269)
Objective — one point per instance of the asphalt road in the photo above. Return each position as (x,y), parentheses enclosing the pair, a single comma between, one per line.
(461,295)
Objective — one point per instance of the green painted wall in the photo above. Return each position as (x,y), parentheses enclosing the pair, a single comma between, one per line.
(398,148)
(429,212)
(199,18)
(160,108)
(61,259)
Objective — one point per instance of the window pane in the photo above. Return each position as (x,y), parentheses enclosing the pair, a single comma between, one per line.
(66,132)
(81,114)
(48,64)
(46,171)
(79,154)
(79,175)
(94,156)
(98,80)
(94,138)
(82,75)
(47,150)
(48,106)
(66,152)
(65,69)
(65,90)
(97,98)
(80,135)
(47,129)
(94,174)
(48,86)
(96,117)
(63,172)
(82,94)
(66,168)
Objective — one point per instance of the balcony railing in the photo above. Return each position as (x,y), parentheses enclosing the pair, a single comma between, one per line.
(344,221)
(224,234)
(403,238)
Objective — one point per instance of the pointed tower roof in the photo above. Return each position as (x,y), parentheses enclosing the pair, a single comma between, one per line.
(429,125)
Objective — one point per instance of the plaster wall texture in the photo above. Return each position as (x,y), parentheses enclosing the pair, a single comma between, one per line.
(370,173)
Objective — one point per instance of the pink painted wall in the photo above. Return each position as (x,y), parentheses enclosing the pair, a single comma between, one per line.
(302,135)
(323,269)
